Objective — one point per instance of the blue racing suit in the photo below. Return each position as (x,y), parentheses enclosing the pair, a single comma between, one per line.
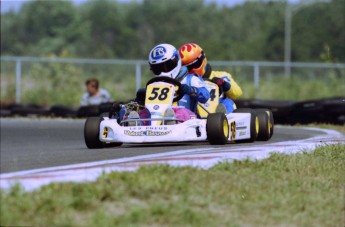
(201,94)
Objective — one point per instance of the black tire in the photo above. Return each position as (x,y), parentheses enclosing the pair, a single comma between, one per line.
(270,118)
(221,108)
(254,123)
(91,133)
(29,110)
(307,112)
(105,107)
(62,111)
(88,111)
(264,126)
(104,114)
(281,109)
(217,129)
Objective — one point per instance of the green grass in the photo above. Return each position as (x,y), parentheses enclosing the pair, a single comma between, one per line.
(305,189)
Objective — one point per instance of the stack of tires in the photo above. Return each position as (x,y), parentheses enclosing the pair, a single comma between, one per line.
(331,110)
(328,110)
(280,108)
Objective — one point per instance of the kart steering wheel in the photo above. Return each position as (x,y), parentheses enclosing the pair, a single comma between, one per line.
(170,81)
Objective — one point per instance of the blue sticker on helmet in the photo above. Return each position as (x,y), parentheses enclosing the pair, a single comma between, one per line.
(158,52)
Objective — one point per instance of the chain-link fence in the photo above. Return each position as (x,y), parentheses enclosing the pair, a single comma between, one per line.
(50,81)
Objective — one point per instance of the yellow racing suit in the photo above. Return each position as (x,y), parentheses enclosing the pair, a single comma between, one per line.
(235,91)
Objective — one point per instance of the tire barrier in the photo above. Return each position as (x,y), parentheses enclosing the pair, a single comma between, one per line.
(334,110)
(62,111)
(328,110)
(29,110)
(280,109)
(96,110)
(88,111)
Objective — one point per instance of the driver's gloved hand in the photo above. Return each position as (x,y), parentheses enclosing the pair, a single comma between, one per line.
(225,85)
(188,90)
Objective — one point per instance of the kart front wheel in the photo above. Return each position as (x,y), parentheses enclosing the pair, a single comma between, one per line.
(91,132)
(217,128)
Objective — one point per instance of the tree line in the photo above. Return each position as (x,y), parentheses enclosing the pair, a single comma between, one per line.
(111,29)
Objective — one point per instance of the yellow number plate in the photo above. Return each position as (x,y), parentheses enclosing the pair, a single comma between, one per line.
(159,94)
(211,105)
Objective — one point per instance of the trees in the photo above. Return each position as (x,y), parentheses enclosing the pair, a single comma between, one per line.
(111,29)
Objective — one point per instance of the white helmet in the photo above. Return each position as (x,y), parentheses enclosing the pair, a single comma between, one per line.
(164,60)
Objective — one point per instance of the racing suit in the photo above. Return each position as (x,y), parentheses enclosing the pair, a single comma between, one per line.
(230,89)
(186,108)
(201,94)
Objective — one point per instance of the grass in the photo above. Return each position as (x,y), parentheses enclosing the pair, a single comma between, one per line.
(304,189)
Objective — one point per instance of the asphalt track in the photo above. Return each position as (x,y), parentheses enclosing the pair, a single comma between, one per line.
(37,143)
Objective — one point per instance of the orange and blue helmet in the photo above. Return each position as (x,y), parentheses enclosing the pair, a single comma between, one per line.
(194,58)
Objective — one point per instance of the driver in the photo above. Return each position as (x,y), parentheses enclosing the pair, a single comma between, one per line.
(164,60)
(194,58)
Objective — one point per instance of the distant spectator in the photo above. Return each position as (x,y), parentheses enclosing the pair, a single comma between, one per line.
(94,95)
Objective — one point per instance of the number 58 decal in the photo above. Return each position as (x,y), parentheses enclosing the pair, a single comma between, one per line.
(162,95)
(159,94)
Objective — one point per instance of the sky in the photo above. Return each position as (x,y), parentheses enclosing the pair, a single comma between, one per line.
(7,5)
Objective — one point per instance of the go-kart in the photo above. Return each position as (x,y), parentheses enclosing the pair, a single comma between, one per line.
(162,93)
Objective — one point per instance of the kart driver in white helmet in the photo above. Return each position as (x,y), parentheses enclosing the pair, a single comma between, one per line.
(165,60)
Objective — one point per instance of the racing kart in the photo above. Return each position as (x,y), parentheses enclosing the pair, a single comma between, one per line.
(212,125)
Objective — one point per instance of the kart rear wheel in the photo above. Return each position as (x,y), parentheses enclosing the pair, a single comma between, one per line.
(221,108)
(270,120)
(91,132)
(217,128)
(264,127)
(254,123)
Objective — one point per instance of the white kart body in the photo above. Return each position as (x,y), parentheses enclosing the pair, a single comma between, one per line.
(186,131)
(190,130)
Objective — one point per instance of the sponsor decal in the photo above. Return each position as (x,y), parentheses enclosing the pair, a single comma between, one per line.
(161,128)
(146,133)
(157,133)
(240,123)
(140,128)
(155,107)
(206,104)
(242,133)
(134,133)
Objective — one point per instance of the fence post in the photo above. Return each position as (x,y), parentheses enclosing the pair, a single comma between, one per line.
(18,80)
(137,75)
(256,78)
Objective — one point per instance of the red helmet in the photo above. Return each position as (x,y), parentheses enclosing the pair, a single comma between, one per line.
(194,58)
